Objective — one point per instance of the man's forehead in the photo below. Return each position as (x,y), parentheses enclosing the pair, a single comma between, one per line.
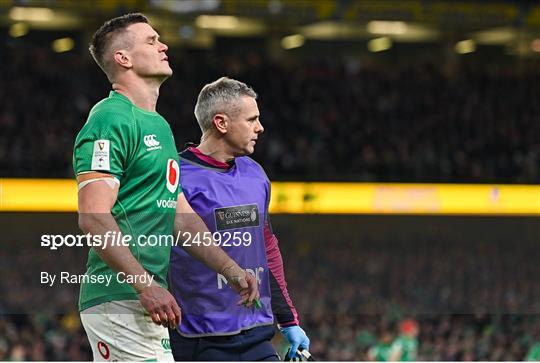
(248,101)
(249,106)
(142,30)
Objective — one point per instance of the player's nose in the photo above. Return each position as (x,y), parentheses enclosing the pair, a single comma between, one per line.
(163,47)
(259,128)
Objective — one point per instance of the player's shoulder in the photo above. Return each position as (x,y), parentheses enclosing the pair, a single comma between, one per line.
(114,108)
(110,113)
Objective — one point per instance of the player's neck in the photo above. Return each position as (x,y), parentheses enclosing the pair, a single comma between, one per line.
(213,149)
(143,94)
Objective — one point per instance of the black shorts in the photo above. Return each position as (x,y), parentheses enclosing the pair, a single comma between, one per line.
(249,345)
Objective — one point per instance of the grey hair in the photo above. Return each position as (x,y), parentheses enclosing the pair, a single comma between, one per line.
(220,96)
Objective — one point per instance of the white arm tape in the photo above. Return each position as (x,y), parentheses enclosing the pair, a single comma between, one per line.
(111,182)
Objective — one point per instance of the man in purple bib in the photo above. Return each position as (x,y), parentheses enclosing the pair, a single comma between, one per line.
(231,193)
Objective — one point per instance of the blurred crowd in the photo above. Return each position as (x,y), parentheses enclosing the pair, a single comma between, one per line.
(339,119)
(43,337)
(39,322)
(472,299)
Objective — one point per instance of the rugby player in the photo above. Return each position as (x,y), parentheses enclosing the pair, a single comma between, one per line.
(127,170)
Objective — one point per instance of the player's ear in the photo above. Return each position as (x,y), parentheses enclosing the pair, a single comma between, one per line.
(221,123)
(122,59)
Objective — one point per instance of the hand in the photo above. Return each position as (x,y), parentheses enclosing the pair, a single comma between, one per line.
(297,337)
(243,283)
(161,306)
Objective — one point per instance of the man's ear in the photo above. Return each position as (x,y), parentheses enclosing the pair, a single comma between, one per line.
(122,59)
(221,122)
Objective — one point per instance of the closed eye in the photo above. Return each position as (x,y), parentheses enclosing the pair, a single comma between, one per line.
(152,39)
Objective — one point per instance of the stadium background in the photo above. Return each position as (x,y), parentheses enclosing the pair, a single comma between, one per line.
(359,99)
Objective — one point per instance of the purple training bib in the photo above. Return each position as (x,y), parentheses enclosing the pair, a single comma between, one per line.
(233,203)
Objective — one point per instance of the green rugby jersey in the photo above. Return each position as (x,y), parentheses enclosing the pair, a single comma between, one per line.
(137,148)
(380,352)
(534,353)
(407,346)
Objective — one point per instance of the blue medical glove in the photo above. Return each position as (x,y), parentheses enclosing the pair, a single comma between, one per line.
(297,337)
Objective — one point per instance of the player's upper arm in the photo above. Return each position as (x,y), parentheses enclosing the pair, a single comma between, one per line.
(97,192)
